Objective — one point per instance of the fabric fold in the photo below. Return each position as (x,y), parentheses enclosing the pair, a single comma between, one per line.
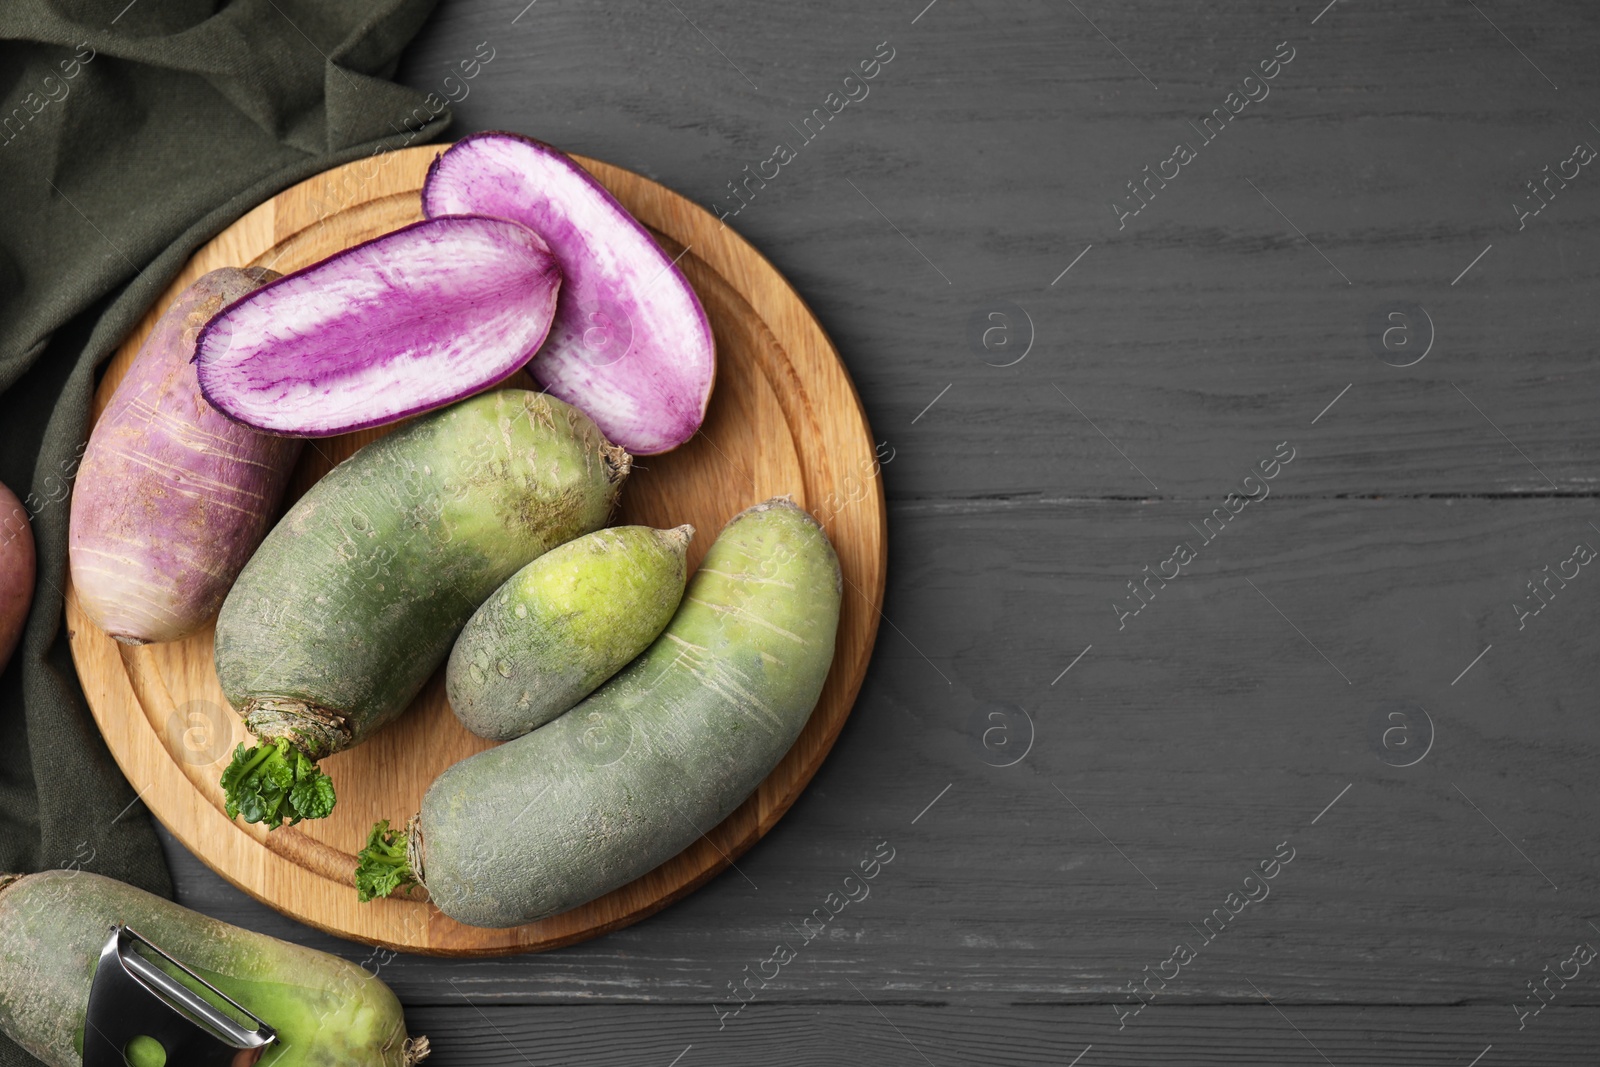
(130,134)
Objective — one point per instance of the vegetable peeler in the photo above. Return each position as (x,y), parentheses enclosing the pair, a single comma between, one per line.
(133,996)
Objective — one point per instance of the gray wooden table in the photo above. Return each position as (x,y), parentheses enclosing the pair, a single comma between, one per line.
(1127,672)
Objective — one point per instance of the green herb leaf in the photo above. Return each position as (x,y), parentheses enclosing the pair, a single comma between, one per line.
(312,797)
(274,782)
(232,776)
(382,867)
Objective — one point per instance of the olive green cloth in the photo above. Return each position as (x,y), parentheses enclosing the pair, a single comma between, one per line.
(130,134)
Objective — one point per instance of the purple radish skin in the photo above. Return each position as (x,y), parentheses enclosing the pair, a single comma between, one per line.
(171,497)
(413,320)
(16,572)
(630,345)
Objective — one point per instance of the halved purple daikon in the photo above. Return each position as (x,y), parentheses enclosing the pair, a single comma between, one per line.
(630,344)
(409,321)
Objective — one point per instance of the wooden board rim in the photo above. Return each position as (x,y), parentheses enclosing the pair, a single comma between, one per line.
(262,866)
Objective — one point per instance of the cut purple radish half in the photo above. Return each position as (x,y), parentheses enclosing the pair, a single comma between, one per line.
(630,344)
(409,321)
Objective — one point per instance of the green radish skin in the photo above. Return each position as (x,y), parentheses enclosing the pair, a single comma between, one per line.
(654,758)
(562,625)
(354,598)
(327,1012)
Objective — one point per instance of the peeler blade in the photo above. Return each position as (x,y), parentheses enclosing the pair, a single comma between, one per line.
(133,996)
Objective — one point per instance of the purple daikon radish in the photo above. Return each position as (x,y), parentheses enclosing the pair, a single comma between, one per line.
(17,567)
(413,320)
(630,344)
(171,497)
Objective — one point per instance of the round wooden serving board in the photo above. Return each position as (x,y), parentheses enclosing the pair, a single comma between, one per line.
(784,418)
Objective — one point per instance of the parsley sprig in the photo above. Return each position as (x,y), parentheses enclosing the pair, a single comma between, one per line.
(275,782)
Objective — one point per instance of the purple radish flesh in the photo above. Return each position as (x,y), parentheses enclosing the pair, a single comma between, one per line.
(407,322)
(630,345)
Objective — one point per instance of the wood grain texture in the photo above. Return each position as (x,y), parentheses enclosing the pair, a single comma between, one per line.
(783,420)
(1197,739)
(869,1027)
(1192,341)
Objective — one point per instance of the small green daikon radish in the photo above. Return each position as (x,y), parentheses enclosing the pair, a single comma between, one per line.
(562,625)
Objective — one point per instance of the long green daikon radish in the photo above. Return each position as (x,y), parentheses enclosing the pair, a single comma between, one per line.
(652,759)
(355,597)
(327,1012)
